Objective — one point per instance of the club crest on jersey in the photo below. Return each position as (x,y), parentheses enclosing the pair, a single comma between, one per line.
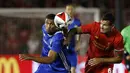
(96,37)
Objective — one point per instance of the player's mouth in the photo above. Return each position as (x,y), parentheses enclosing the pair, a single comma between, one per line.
(102,30)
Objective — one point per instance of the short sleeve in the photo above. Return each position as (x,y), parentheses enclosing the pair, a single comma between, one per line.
(43,28)
(118,44)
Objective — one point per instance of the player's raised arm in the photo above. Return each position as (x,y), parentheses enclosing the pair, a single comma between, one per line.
(83,29)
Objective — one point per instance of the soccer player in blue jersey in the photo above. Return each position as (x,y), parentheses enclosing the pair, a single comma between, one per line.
(70,10)
(53,58)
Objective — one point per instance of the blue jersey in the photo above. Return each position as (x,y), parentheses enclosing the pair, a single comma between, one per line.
(75,23)
(54,42)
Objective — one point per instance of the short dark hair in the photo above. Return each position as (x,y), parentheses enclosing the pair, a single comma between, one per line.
(109,16)
(50,16)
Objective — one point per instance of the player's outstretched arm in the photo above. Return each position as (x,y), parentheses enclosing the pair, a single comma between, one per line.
(46,60)
(72,33)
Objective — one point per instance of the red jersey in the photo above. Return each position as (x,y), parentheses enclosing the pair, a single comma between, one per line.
(106,44)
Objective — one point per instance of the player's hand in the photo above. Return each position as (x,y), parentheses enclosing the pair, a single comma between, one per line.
(24,57)
(65,42)
(94,61)
(77,48)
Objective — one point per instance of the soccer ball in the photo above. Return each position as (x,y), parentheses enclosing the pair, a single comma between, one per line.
(62,19)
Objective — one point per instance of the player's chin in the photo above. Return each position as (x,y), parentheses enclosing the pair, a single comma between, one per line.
(102,31)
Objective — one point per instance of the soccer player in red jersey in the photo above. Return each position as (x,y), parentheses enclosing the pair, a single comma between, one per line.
(105,45)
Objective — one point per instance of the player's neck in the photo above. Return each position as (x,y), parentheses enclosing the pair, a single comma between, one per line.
(52,33)
(108,33)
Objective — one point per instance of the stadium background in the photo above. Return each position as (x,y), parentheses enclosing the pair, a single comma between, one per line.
(21,21)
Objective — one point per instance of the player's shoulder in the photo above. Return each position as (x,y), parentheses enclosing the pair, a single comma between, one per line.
(118,39)
(77,19)
(43,27)
(95,25)
(117,34)
(126,30)
(58,35)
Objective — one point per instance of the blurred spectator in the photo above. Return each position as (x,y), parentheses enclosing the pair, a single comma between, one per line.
(20,35)
(33,43)
(2,43)
(24,36)
(12,44)
(34,40)
(12,39)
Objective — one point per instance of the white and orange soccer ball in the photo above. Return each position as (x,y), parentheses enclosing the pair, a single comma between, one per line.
(62,19)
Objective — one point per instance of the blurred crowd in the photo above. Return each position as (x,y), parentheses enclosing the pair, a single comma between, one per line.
(18,35)
(60,3)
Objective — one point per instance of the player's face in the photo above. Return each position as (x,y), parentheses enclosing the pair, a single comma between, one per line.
(50,26)
(70,10)
(105,26)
